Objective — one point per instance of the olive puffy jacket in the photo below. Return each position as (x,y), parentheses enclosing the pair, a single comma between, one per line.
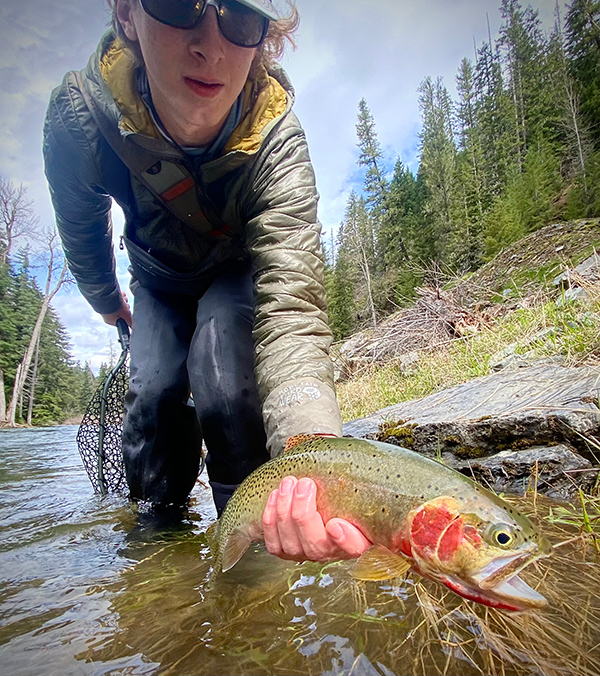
(262,186)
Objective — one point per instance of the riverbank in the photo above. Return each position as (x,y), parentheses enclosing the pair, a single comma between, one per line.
(532,302)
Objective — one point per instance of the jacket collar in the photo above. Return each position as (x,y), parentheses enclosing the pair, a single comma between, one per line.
(265,100)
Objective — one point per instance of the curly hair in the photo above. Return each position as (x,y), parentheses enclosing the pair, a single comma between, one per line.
(268,53)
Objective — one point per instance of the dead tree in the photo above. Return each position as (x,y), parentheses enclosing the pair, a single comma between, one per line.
(56,276)
(16,217)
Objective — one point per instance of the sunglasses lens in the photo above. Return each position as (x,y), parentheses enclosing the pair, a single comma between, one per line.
(238,23)
(176,13)
(241,25)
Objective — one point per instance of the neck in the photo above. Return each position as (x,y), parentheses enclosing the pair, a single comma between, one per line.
(185,134)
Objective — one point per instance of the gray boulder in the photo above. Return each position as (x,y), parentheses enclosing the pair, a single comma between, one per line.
(559,473)
(513,410)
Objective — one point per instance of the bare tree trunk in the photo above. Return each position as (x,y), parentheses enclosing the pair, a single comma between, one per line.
(16,215)
(2,398)
(21,400)
(367,275)
(33,380)
(12,406)
(574,111)
(25,363)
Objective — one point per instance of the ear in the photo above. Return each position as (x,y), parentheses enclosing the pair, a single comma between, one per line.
(125,15)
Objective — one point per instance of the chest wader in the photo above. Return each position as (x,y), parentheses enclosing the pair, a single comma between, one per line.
(198,342)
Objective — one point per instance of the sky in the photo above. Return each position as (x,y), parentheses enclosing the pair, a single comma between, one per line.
(346,50)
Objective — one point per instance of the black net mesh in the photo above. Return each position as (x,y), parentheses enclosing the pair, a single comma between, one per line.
(107,476)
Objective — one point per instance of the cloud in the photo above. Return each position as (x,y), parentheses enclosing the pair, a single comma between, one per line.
(382,52)
(347,49)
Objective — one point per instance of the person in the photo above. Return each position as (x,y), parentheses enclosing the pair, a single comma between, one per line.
(184,117)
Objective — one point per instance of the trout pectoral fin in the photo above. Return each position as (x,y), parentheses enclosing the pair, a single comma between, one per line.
(379,563)
(234,548)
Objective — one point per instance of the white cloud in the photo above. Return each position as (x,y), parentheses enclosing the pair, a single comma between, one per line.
(347,49)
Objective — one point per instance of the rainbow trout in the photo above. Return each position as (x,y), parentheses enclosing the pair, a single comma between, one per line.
(418,514)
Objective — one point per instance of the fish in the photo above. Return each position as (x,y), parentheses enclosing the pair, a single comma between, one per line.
(418,513)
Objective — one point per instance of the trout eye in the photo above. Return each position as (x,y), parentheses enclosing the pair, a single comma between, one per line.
(501,535)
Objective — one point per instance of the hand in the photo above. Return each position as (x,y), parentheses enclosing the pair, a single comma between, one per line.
(293,529)
(124,312)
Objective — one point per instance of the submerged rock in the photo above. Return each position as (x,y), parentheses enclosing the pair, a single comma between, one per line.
(513,410)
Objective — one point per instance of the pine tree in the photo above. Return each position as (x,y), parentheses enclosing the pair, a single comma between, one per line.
(371,157)
(528,78)
(583,48)
(493,123)
(466,241)
(577,149)
(339,284)
(357,251)
(438,163)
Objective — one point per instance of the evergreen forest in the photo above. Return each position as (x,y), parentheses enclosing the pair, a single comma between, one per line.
(517,150)
(40,384)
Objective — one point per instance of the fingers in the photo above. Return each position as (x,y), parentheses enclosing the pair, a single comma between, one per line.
(308,523)
(288,535)
(294,529)
(347,537)
(270,530)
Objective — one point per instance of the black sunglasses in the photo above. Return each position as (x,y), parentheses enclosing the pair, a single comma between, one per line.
(239,24)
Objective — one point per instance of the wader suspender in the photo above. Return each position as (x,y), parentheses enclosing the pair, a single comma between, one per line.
(168,180)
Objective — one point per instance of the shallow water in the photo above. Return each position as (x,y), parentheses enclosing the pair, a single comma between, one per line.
(89,587)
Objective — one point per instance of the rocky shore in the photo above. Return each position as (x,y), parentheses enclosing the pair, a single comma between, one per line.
(513,430)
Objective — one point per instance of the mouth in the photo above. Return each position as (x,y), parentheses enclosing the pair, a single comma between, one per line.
(208,89)
(499,585)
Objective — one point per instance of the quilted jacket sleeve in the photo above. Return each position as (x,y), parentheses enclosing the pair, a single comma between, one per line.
(81,206)
(291,333)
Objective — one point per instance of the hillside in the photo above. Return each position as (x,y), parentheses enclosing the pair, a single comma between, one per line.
(507,314)
(531,264)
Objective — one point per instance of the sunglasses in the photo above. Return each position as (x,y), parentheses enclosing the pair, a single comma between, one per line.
(239,24)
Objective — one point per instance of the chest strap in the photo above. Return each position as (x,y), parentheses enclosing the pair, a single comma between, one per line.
(169,180)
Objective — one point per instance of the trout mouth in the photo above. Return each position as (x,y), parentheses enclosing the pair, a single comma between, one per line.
(498,585)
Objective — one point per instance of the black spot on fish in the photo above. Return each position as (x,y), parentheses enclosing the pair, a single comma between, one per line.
(383,510)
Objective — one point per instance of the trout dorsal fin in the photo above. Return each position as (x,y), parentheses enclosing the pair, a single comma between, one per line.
(298,439)
(379,563)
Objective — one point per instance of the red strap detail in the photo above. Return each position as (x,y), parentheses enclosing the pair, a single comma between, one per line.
(178,189)
(222,232)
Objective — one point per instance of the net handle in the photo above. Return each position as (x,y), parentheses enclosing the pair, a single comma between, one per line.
(124,337)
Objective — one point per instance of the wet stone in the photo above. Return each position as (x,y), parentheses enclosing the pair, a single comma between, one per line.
(559,473)
(545,405)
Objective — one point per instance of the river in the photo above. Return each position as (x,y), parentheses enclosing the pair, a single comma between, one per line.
(87,586)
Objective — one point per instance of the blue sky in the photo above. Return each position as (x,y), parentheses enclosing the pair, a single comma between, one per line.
(346,50)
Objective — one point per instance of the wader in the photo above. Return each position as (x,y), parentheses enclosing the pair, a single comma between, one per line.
(182,344)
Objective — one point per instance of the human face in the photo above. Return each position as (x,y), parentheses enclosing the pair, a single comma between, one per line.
(194,75)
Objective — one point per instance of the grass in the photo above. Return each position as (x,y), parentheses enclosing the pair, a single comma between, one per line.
(575,338)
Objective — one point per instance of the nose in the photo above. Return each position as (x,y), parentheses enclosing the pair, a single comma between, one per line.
(207,39)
